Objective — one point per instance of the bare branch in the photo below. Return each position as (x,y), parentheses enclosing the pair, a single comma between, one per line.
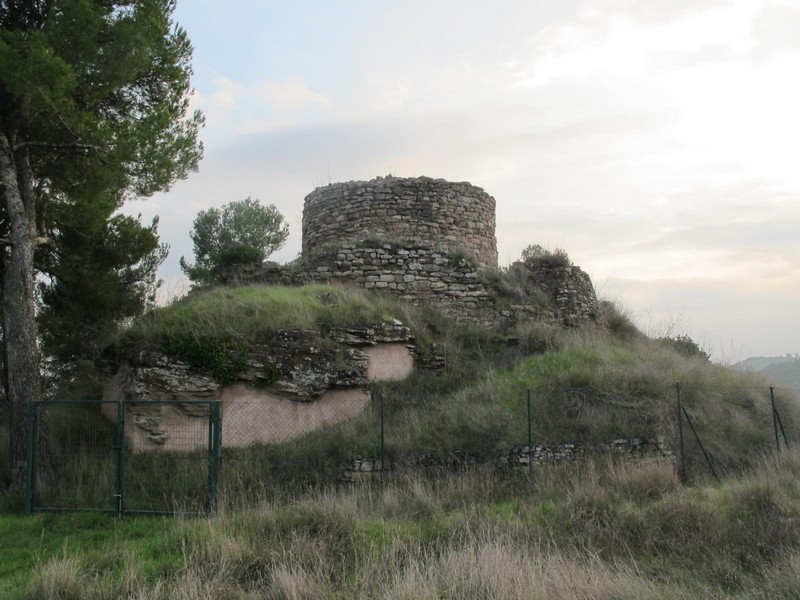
(69,146)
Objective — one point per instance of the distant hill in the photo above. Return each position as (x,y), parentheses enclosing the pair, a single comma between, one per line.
(782,371)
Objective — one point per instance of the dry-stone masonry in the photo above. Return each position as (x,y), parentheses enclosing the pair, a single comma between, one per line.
(427,241)
(420,275)
(293,384)
(456,216)
(634,449)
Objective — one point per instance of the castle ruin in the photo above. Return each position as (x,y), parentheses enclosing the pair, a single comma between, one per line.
(429,242)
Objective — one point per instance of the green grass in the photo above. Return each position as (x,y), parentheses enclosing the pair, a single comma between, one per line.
(592,384)
(44,544)
(240,313)
(595,530)
(590,388)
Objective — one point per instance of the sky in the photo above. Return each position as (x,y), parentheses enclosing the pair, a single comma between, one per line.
(657,142)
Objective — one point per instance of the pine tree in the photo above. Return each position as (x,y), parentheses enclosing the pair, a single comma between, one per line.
(93,95)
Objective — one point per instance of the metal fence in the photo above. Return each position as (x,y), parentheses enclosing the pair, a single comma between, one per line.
(123,457)
(529,442)
(166,457)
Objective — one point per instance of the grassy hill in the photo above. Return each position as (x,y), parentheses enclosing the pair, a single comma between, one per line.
(598,529)
(594,384)
(780,371)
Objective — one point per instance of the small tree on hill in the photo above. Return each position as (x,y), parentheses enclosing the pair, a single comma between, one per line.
(241,232)
(683,344)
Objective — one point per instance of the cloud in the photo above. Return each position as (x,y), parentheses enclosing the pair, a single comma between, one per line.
(730,318)
(226,96)
(602,44)
(655,141)
(290,95)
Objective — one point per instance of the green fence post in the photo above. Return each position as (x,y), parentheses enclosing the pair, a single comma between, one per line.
(700,443)
(783,431)
(383,436)
(120,487)
(214,451)
(777,417)
(774,418)
(680,430)
(530,433)
(30,460)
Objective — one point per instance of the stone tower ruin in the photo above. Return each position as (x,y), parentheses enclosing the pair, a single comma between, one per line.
(434,212)
(429,242)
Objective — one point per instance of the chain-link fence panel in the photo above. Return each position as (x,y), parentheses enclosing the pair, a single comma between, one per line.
(124,457)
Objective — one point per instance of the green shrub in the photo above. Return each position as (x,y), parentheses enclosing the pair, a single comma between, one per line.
(683,344)
(222,359)
(536,256)
(516,284)
(617,321)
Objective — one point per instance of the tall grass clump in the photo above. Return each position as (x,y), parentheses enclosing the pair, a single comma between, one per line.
(617,321)
(590,530)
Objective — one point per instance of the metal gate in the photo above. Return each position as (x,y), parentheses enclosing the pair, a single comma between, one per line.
(126,457)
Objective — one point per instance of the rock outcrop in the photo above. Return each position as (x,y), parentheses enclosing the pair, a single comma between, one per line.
(297,378)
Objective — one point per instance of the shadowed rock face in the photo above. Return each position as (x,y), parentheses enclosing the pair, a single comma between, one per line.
(312,385)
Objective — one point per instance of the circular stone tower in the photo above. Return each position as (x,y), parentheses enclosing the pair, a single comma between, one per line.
(434,212)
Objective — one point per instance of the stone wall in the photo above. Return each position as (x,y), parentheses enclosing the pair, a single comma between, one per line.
(572,290)
(457,216)
(429,242)
(422,276)
(293,384)
(633,449)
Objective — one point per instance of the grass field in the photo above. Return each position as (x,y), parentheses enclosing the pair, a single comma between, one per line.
(589,531)
(596,529)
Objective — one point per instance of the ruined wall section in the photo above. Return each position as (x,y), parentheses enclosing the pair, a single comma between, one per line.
(572,290)
(432,212)
(425,277)
(428,241)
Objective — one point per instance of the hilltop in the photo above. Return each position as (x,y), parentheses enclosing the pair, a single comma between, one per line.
(590,384)
(780,371)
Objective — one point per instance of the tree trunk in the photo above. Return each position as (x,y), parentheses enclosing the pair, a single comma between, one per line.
(22,352)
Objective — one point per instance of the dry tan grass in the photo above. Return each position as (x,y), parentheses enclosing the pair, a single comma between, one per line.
(601,530)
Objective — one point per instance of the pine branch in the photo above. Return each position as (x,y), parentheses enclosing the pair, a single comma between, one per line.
(52,146)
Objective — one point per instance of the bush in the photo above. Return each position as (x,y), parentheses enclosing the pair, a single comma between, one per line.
(684,345)
(527,281)
(538,257)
